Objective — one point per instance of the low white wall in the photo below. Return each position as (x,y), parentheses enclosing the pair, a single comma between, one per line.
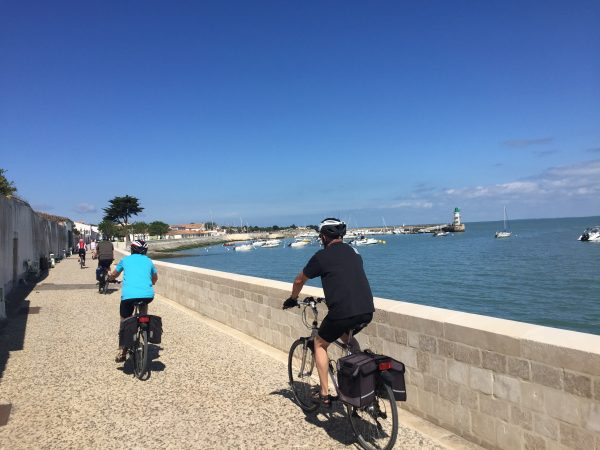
(498,383)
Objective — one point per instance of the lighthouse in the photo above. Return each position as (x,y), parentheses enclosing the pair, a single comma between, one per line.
(456,225)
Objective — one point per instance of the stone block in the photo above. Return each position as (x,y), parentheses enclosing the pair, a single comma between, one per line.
(385,332)
(430,384)
(507,388)
(418,324)
(597,388)
(577,384)
(493,361)
(469,398)
(560,405)
(532,396)
(484,427)
(401,336)
(591,417)
(408,356)
(495,408)
(423,362)
(413,339)
(450,391)
(427,343)
(426,403)
(546,426)
(445,348)
(576,438)
(519,368)
(547,375)
(412,397)
(481,380)
(509,437)
(462,419)
(438,367)
(469,355)
(415,378)
(533,442)
(521,417)
(458,372)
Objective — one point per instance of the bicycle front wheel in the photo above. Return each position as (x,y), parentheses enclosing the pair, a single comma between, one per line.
(302,372)
(376,425)
(140,354)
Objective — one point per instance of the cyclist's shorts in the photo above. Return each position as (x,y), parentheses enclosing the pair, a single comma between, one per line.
(127,306)
(105,263)
(82,251)
(331,329)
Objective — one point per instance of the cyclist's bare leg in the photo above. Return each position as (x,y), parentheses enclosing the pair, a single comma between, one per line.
(322,361)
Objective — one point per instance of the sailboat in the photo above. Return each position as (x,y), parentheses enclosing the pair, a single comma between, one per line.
(505,233)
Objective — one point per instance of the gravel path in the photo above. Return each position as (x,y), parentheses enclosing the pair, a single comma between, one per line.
(210,387)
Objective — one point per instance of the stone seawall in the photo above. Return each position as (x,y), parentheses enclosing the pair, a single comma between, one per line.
(498,383)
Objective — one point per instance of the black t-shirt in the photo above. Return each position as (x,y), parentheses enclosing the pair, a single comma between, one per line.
(346,287)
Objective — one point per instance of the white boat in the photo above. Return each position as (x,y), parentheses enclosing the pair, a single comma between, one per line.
(591,234)
(258,243)
(366,241)
(505,233)
(307,234)
(271,243)
(440,233)
(243,248)
(300,243)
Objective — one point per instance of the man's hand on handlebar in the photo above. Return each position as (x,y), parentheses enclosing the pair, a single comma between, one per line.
(290,303)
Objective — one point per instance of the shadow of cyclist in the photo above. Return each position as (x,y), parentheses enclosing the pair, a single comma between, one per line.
(333,420)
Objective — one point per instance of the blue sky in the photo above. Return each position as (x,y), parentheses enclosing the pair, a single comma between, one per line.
(278,112)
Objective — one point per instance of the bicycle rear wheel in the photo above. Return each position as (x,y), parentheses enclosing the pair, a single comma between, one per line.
(376,425)
(140,354)
(302,372)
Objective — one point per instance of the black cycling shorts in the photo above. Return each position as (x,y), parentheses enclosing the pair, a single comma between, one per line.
(332,329)
(82,252)
(127,306)
(105,263)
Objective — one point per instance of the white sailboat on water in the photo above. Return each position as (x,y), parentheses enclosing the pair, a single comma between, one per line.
(505,233)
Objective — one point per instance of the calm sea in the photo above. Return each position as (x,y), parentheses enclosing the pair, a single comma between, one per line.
(542,274)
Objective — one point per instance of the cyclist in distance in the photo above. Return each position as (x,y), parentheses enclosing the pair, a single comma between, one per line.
(105,252)
(81,250)
(139,277)
(347,295)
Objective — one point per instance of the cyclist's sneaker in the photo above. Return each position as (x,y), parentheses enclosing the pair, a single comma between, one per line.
(121,355)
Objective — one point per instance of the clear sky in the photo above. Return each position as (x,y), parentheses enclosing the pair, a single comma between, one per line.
(280,112)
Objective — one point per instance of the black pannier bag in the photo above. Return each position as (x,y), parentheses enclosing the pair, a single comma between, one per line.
(127,332)
(356,379)
(394,375)
(154,329)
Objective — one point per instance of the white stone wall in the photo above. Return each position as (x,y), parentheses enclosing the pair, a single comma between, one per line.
(498,383)
(35,237)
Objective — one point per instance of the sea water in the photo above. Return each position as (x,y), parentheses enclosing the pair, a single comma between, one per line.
(541,274)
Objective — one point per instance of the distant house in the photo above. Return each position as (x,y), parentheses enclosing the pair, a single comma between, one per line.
(188,230)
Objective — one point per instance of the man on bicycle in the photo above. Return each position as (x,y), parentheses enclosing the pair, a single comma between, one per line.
(106,256)
(81,250)
(139,275)
(347,294)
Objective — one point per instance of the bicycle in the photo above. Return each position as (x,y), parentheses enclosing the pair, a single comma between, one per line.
(81,261)
(374,425)
(103,282)
(139,351)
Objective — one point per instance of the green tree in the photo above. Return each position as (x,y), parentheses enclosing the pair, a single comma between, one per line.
(139,228)
(121,209)
(210,226)
(107,228)
(7,188)
(158,228)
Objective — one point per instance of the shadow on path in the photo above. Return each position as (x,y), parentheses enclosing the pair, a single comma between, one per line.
(12,330)
(334,421)
(153,364)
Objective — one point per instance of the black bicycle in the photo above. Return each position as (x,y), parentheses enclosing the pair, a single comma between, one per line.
(139,351)
(103,281)
(376,424)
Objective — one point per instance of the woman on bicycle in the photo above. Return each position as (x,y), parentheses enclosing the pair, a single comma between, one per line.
(347,294)
(139,277)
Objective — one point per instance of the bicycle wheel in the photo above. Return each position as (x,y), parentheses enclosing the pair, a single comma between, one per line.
(302,372)
(140,354)
(105,286)
(376,425)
